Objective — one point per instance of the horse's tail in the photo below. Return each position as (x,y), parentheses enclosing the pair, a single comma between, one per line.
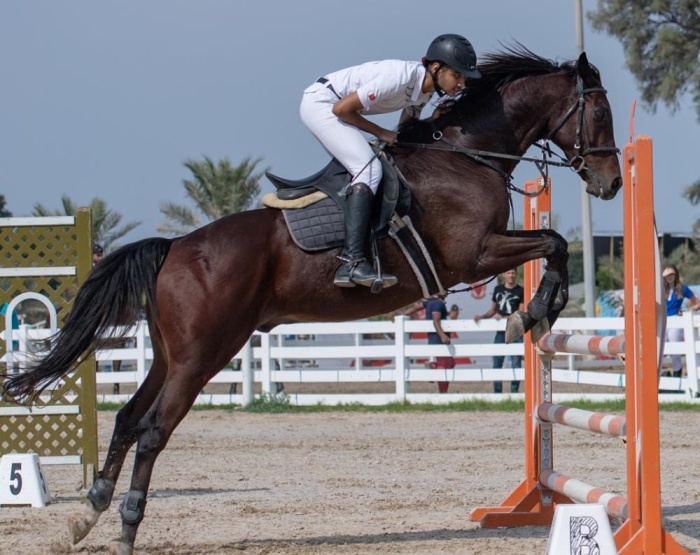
(113,295)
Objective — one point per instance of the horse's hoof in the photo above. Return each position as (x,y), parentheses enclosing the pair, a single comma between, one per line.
(515,327)
(80,524)
(120,547)
(540,329)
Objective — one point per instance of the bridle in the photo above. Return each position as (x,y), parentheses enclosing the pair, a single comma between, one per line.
(577,163)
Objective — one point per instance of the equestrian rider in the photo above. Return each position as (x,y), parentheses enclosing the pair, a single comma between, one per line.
(334,110)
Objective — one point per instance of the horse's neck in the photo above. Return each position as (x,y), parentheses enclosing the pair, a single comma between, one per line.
(515,119)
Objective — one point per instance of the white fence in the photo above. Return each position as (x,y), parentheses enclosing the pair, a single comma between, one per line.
(381,352)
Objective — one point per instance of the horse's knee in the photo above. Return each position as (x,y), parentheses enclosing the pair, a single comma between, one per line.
(558,249)
(100,494)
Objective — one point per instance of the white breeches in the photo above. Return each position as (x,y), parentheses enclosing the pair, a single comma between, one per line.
(342,141)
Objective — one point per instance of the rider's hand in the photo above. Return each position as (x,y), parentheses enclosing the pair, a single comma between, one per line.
(388,137)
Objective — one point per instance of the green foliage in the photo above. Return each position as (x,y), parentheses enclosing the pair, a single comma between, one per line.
(688,263)
(610,274)
(106,224)
(4,213)
(261,405)
(575,265)
(217,189)
(662,45)
(661,40)
(269,403)
(692,193)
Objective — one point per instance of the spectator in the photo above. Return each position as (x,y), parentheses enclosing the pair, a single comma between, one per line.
(506,299)
(675,292)
(436,310)
(97,253)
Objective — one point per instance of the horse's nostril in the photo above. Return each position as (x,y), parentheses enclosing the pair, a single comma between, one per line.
(617,184)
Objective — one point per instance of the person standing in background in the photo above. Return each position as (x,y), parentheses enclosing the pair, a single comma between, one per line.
(436,310)
(506,299)
(97,253)
(675,292)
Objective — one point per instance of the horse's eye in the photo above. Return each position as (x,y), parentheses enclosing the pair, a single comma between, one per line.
(600,113)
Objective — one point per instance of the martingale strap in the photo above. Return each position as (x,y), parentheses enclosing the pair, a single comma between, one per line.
(402,231)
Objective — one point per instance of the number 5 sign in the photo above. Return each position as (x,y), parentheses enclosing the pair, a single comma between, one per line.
(21,481)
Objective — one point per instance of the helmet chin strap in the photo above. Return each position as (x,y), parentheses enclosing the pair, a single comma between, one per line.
(438,89)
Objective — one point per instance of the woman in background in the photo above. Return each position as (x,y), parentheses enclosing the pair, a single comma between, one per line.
(676,291)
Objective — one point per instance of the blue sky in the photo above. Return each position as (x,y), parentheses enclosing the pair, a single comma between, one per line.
(108,99)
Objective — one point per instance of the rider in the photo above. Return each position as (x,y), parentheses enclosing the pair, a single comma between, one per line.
(333,108)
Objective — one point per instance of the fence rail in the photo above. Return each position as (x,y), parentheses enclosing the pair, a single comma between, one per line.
(380,352)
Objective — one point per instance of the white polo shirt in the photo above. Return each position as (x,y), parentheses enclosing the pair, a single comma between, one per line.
(383,87)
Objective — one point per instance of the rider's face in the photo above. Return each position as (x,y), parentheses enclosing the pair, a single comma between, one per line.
(450,80)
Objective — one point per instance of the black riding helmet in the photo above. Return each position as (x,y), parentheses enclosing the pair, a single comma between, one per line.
(454,51)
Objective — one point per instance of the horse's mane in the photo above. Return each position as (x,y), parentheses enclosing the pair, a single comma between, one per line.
(498,70)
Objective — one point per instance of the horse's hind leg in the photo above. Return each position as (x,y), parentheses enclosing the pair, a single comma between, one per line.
(154,430)
(124,435)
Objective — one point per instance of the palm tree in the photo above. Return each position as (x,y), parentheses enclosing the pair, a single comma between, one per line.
(692,193)
(217,189)
(3,212)
(106,228)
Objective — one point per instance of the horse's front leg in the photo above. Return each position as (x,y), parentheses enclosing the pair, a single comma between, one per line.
(543,309)
(505,252)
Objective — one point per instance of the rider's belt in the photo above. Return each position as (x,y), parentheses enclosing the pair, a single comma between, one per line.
(326,82)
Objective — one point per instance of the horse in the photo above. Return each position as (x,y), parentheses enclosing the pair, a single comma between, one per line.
(206,292)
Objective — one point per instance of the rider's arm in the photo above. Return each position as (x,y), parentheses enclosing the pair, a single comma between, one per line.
(348,110)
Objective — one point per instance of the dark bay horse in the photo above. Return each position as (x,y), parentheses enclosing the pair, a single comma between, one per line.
(206,292)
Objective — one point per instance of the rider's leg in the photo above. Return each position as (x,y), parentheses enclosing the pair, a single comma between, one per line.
(350,147)
(354,268)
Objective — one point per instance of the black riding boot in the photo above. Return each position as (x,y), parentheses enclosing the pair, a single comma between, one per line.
(355,269)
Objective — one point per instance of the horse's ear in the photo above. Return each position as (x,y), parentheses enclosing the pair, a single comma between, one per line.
(584,68)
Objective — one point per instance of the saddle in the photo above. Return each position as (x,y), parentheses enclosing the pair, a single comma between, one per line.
(313,210)
(313,207)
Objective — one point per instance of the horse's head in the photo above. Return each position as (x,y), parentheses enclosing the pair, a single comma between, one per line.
(583,129)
